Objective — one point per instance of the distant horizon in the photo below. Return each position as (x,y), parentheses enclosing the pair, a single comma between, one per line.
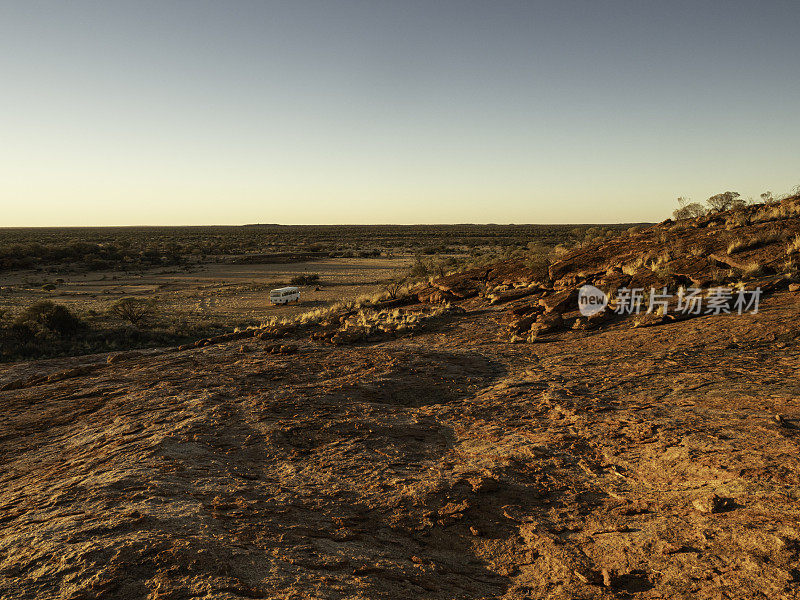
(576,224)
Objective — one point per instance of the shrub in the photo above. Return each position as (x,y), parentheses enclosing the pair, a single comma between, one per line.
(538,260)
(135,311)
(48,317)
(688,210)
(393,288)
(737,219)
(308,279)
(725,201)
(420,269)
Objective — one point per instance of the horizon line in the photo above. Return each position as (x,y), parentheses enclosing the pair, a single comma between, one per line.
(326,225)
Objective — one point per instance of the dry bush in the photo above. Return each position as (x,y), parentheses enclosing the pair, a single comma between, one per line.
(698,250)
(394,287)
(658,261)
(308,279)
(46,317)
(725,201)
(768,198)
(135,311)
(792,269)
(688,210)
(664,272)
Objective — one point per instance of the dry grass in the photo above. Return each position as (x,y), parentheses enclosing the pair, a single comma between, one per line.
(794,245)
(391,320)
(792,269)
(631,268)
(752,269)
(741,244)
(659,261)
(320,314)
(649,259)
(774,212)
(737,219)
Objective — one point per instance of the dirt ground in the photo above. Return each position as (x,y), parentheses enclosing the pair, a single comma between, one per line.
(226,293)
(450,464)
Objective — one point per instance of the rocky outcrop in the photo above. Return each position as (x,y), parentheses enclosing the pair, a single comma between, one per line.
(602,461)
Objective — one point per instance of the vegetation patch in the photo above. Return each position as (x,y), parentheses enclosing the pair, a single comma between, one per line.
(742,244)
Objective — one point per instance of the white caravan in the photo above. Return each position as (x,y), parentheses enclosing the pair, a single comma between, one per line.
(284,295)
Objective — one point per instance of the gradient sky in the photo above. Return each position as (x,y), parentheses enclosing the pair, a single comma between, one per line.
(343,111)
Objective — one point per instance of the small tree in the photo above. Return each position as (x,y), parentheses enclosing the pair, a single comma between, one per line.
(725,201)
(419,269)
(687,209)
(767,198)
(393,288)
(135,311)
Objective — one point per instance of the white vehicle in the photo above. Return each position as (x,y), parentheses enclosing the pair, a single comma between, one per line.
(284,295)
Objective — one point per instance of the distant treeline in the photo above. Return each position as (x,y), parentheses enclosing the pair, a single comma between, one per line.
(132,248)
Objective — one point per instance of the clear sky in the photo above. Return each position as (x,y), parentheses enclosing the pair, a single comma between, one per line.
(345,111)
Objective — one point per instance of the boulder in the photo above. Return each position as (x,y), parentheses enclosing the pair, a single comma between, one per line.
(523,324)
(589,323)
(347,336)
(431,295)
(561,302)
(548,322)
(115,358)
(526,309)
(513,294)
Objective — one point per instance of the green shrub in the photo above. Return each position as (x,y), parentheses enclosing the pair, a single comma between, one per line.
(48,317)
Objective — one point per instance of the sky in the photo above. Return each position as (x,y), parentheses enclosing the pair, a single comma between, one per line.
(348,111)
